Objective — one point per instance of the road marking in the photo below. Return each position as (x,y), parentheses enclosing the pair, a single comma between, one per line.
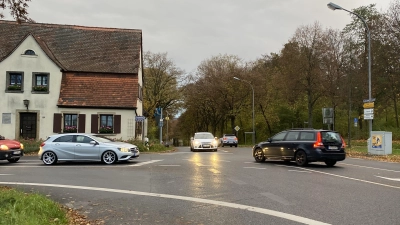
(145,163)
(351,178)
(214,171)
(199,164)
(169,165)
(6,174)
(396,171)
(299,171)
(276,198)
(260,168)
(264,211)
(387,178)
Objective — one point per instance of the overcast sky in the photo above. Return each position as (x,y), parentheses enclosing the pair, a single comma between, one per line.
(192,31)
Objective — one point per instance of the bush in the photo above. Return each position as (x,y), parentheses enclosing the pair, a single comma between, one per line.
(31,145)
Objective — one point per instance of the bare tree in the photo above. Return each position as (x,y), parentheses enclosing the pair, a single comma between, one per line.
(18,9)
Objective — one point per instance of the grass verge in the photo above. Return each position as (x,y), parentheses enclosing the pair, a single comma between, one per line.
(20,208)
(31,209)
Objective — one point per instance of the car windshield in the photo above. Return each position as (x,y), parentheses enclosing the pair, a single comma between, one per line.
(203,136)
(100,138)
(329,136)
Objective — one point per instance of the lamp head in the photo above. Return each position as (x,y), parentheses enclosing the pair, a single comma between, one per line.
(236,78)
(26,103)
(333,6)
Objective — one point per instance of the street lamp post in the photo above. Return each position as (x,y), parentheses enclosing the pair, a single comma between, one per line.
(252,88)
(333,6)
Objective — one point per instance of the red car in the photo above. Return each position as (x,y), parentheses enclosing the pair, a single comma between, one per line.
(11,150)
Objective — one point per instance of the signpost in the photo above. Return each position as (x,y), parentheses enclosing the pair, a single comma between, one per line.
(368,109)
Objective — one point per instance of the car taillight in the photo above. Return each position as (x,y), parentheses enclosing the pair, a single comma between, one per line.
(343,143)
(318,143)
(41,145)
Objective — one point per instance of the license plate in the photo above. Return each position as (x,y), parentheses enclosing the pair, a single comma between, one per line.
(333,147)
(17,152)
(206,146)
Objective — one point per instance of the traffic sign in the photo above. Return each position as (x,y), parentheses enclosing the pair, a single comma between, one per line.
(368,116)
(369,111)
(368,105)
(237,128)
(367,100)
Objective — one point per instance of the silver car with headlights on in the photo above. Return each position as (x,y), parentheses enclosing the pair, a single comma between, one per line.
(85,147)
(202,141)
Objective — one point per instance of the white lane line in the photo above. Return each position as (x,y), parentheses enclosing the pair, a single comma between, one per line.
(259,168)
(368,167)
(351,178)
(270,212)
(214,171)
(387,178)
(299,171)
(6,174)
(145,163)
(223,161)
(169,165)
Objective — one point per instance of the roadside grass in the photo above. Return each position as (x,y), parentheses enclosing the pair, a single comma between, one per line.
(359,149)
(20,208)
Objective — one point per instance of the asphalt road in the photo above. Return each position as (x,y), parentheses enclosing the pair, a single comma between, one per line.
(224,187)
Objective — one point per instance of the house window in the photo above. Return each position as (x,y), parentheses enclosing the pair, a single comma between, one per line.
(70,123)
(106,124)
(29,52)
(40,82)
(15,81)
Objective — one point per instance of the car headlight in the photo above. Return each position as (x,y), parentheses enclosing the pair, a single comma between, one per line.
(215,142)
(21,146)
(196,142)
(124,149)
(4,147)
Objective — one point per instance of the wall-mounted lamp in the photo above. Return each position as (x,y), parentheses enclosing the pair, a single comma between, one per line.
(26,103)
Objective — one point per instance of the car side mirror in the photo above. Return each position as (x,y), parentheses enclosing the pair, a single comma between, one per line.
(269,140)
(191,138)
(93,143)
(216,138)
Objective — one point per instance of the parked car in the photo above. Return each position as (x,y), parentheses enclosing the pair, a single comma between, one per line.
(203,141)
(85,147)
(229,140)
(10,150)
(302,146)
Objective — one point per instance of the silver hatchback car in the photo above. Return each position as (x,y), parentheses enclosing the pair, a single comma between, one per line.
(85,147)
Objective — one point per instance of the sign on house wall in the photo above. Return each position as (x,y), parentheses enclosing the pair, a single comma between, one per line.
(6,118)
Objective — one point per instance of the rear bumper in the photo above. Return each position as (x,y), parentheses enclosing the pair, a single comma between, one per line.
(11,154)
(321,156)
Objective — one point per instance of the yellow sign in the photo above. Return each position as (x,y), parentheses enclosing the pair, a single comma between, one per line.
(368,105)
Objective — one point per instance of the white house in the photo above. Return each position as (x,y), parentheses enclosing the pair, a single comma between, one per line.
(66,78)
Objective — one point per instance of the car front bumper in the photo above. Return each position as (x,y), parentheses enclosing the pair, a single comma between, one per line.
(11,154)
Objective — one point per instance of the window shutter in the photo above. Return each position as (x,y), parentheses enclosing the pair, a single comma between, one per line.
(57,123)
(117,124)
(81,123)
(95,124)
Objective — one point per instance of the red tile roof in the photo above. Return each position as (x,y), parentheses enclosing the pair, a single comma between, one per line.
(98,90)
(78,48)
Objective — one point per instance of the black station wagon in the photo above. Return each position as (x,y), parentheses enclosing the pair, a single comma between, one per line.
(302,146)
